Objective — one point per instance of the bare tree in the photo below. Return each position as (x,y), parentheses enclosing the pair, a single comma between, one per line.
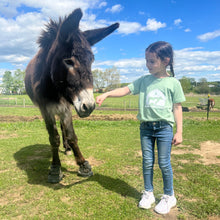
(108,79)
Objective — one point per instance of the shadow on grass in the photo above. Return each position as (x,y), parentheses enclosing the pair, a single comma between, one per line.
(35,160)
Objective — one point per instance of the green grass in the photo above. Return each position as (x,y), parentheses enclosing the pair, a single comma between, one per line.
(114,191)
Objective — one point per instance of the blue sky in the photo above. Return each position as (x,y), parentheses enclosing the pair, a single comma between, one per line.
(191,26)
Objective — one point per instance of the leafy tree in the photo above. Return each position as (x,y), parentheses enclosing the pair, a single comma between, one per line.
(98,79)
(7,82)
(13,83)
(193,82)
(186,84)
(202,86)
(18,82)
(112,77)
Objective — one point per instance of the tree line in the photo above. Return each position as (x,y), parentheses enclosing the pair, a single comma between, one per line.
(13,83)
(105,80)
(202,86)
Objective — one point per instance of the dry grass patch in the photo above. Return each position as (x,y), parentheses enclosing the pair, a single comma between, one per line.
(209,151)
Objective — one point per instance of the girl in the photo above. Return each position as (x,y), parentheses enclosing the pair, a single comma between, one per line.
(160,97)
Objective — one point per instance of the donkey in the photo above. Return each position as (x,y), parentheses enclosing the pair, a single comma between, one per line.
(211,103)
(60,76)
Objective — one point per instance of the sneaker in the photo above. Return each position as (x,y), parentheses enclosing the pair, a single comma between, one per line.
(147,199)
(166,203)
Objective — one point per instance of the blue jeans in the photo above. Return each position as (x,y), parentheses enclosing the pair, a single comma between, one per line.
(162,133)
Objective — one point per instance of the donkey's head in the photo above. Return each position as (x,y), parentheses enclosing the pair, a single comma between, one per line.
(70,58)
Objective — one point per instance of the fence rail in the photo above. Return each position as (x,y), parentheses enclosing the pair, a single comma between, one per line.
(126,103)
(9,101)
(118,105)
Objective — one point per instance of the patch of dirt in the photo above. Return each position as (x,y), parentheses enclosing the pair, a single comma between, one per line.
(195,109)
(129,170)
(111,117)
(209,151)
(6,135)
(69,160)
(172,215)
(15,195)
(14,118)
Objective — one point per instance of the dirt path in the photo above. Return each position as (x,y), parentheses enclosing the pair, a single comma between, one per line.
(111,117)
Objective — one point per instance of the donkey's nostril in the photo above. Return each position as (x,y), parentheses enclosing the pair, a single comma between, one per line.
(84,107)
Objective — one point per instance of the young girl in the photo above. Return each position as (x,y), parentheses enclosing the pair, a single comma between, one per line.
(160,97)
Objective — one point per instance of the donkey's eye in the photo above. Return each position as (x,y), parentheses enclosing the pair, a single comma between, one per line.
(69,62)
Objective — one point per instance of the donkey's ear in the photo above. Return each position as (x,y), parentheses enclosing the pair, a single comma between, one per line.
(94,36)
(70,24)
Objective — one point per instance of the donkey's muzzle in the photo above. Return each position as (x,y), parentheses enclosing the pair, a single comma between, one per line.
(84,103)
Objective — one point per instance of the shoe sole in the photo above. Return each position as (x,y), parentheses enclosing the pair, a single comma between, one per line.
(144,207)
(164,213)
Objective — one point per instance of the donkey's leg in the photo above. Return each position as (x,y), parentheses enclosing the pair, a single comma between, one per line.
(55,174)
(71,138)
(65,143)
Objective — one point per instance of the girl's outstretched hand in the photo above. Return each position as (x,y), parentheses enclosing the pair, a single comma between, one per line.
(114,93)
(100,99)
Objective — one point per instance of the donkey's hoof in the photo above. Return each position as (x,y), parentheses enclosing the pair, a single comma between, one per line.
(85,170)
(55,174)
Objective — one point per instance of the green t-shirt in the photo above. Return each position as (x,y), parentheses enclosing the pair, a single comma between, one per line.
(156,97)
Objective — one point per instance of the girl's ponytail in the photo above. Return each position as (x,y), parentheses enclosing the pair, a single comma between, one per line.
(171,70)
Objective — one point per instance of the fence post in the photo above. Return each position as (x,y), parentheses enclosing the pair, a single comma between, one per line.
(24,102)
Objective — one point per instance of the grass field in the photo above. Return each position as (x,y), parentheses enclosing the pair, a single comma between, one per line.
(113,149)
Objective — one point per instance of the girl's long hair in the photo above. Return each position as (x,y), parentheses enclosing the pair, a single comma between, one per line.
(163,50)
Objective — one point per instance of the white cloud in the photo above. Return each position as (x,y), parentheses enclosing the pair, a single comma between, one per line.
(115,9)
(49,8)
(8,8)
(129,27)
(141,13)
(177,21)
(187,30)
(134,27)
(153,25)
(94,50)
(18,36)
(209,36)
(102,4)
(198,63)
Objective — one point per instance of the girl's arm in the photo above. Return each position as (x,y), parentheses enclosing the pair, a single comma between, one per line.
(114,93)
(177,110)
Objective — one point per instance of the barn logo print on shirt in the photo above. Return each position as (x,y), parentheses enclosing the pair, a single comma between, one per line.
(155,99)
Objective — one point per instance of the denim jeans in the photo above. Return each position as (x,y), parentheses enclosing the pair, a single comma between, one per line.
(162,133)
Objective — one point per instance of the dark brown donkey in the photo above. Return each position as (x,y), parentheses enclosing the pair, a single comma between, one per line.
(60,76)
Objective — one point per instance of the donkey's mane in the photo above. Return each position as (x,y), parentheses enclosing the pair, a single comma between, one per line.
(49,34)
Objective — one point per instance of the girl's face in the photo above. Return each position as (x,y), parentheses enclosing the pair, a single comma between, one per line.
(155,65)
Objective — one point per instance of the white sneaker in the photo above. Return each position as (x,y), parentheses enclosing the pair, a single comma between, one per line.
(166,203)
(147,199)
